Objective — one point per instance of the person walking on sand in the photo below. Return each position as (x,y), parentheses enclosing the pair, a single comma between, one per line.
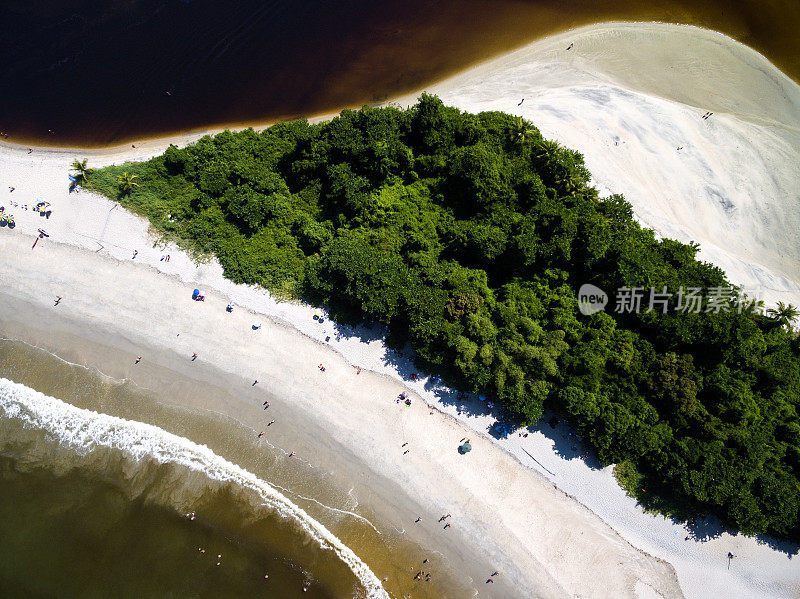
(255,382)
(194,356)
(58,300)
(135,253)
(261,434)
(270,423)
(138,359)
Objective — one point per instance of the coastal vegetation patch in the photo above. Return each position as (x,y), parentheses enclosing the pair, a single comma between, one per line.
(469,235)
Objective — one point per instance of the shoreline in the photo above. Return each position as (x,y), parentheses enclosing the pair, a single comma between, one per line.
(78,219)
(620,73)
(434,458)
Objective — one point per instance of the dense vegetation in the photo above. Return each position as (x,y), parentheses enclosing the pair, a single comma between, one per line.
(468,235)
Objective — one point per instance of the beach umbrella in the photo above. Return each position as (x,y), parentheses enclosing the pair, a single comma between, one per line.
(195,293)
(465,448)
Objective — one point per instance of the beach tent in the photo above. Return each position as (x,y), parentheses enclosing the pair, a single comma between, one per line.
(465,448)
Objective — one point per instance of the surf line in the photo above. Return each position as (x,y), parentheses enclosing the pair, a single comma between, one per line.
(327,507)
(86,430)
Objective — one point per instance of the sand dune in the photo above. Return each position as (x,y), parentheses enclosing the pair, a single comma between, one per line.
(626,96)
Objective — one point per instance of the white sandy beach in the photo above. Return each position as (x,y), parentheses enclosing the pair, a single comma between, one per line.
(626,96)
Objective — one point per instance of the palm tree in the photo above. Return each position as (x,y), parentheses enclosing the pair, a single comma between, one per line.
(546,148)
(82,171)
(571,180)
(784,313)
(126,182)
(522,131)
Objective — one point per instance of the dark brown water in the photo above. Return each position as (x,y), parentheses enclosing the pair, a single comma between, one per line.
(96,72)
(91,506)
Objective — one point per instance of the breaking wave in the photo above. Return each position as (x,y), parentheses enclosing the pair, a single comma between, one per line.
(85,431)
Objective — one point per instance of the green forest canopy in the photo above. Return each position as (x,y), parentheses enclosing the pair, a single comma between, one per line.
(468,235)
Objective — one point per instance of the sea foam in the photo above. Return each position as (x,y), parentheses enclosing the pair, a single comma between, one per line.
(84,431)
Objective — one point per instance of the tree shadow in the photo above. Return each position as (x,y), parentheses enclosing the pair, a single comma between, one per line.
(566,440)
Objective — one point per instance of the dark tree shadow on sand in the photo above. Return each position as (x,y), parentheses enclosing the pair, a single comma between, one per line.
(566,440)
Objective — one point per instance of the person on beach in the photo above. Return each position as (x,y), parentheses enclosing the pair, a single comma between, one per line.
(138,359)
(446,526)
(291,454)
(270,423)
(135,253)
(167,257)
(255,382)
(261,434)
(58,300)
(194,356)
(521,101)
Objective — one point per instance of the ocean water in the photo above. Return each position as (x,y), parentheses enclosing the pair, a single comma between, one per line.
(93,505)
(99,478)
(97,72)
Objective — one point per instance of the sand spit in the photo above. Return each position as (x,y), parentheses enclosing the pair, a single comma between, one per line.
(630,97)
(732,187)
